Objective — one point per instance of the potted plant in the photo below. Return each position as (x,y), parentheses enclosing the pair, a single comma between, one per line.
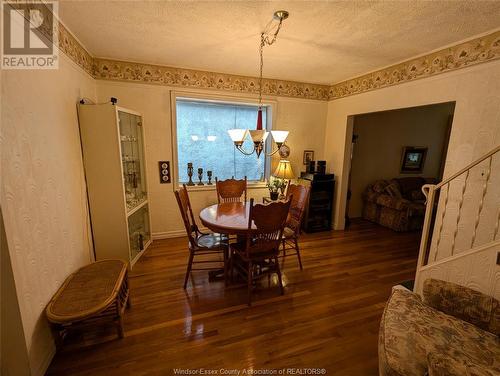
(274,185)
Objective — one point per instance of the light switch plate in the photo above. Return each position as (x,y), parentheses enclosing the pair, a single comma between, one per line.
(164,169)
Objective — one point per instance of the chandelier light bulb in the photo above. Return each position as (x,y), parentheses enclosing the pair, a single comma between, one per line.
(238,135)
(279,136)
(258,135)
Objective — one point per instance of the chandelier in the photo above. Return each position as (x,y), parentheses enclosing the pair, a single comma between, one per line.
(259,135)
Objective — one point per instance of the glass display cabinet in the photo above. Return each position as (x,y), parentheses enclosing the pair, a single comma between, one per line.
(115,170)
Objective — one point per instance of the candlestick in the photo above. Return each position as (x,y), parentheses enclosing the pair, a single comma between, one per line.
(190,174)
(200,176)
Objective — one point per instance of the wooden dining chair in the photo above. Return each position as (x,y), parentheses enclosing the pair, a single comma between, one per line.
(200,243)
(257,255)
(231,190)
(298,195)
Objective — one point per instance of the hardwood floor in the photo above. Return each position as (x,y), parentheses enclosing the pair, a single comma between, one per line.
(328,317)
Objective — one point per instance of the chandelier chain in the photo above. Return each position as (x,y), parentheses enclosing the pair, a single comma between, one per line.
(266,40)
(262,42)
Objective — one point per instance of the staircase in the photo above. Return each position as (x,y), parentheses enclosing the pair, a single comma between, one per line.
(461,233)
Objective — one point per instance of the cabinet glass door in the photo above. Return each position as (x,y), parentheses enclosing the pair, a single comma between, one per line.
(132,146)
(138,230)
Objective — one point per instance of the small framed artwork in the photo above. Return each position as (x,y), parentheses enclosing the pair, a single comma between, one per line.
(413,159)
(308,156)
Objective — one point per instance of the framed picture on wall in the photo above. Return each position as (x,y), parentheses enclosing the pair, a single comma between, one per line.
(308,156)
(413,159)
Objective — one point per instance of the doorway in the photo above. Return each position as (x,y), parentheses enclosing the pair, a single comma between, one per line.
(407,146)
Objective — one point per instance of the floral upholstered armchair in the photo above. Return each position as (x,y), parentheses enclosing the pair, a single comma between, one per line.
(452,331)
(398,203)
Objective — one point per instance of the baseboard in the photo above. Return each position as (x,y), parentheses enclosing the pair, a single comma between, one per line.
(173,234)
(168,234)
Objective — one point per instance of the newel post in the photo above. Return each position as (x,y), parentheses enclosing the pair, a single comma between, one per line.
(429,192)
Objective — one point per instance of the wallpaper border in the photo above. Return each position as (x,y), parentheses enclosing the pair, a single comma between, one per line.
(106,69)
(476,51)
(75,51)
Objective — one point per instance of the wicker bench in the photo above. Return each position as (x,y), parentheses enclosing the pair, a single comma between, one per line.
(94,294)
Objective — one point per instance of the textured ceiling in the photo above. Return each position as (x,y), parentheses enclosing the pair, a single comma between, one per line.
(322,41)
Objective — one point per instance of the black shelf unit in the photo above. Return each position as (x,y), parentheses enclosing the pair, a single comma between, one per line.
(319,212)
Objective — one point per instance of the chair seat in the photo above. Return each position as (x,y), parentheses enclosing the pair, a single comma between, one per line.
(211,241)
(288,233)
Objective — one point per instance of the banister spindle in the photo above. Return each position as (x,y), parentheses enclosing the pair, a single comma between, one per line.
(460,204)
(442,221)
(497,226)
(481,202)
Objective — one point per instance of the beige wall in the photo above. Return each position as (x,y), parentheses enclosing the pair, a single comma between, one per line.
(305,119)
(381,138)
(475,130)
(43,191)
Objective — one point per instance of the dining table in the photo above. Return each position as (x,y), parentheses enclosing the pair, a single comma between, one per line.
(229,218)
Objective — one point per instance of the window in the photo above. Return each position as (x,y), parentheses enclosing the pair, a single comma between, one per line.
(202,139)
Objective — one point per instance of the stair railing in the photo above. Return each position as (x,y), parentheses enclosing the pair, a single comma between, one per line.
(432,192)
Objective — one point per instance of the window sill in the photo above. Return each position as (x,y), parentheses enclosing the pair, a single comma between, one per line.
(250,185)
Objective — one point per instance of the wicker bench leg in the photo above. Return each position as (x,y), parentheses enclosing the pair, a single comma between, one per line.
(122,302)
(120,306)
(127,291)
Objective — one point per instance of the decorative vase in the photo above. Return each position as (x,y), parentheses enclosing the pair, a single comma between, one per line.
(274,195)
(209,176)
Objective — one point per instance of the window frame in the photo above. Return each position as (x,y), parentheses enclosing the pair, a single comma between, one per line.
(272,109)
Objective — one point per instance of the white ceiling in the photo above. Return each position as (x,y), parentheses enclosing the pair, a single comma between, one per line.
(322,41)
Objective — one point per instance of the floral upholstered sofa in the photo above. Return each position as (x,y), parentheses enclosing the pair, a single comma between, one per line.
(452,331)
(398,203)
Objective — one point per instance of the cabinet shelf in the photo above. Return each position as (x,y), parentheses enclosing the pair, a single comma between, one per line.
(139,254)
(137,207)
